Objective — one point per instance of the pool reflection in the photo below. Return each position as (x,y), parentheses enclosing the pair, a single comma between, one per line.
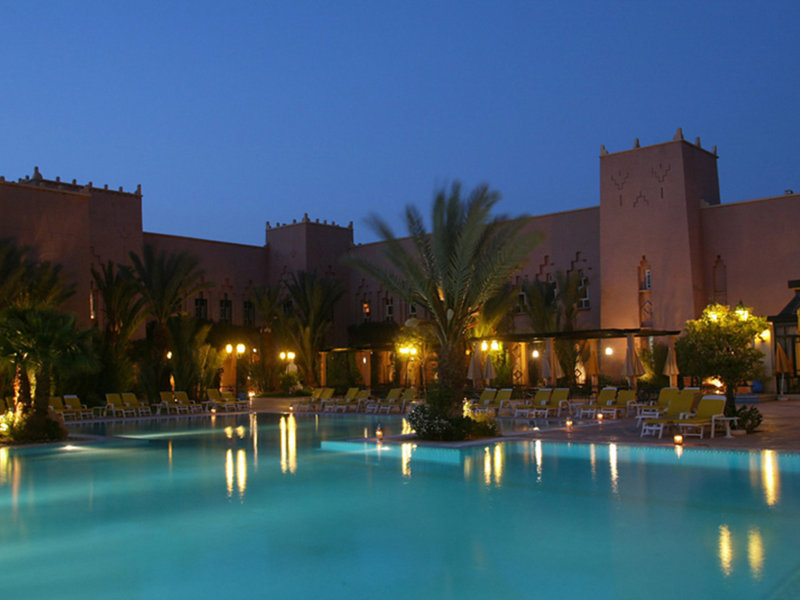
(288,428)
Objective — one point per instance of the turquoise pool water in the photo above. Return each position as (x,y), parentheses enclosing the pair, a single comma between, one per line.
(284,507)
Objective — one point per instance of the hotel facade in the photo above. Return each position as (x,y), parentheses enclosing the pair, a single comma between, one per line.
(658,248)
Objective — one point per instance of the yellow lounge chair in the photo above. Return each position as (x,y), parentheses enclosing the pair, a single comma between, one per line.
(679,407)
(485,402)
(238,404)
(540,398)
(171,405)
(218,402)
(605,398)
(396,403)
(659,408)
(340,404)
(709,409)
(558,401)
(182,399)
(57,406)
(407,398)
(621,406)
(142,410)
(115,406)
(505,405)
(72,403)
(392,396)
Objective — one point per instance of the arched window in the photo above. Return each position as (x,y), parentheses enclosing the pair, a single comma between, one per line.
(645,294)
(720,281)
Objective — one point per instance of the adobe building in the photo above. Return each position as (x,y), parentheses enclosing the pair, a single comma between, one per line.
(656,250)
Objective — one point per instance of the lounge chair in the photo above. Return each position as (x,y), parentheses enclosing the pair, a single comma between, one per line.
(392,396)
(217,402)
(659,408)
(540,398)
(182,399)
(115,406)
(73,404)
(407,398)
(679,408)
(504,403)
(485,402)
(622,406)
(605,398)
(57,406)
(238,404)
(142,410)
(396,403)
(709,409)
(558,402)
(341,404)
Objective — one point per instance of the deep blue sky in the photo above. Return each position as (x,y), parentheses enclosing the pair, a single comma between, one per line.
(231,114)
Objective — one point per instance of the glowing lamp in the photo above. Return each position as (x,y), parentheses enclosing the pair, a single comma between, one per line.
(484,346)
(169,355)
(240,348)
(213,411)
(290,355)
(609,351)
(283,355)
(535,354)
(379,433)
(495,346)
(229,348)
(568,423)
(678,439)
(599,416)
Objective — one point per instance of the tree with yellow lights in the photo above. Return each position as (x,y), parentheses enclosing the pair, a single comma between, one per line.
(720,344)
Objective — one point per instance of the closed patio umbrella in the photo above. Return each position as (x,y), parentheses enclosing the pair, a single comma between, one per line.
(592,365)
(474,371)
(783,366)
(671,367)
(488,370)
(553,366)
(633,366)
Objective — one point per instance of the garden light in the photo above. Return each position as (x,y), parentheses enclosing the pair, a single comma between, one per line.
(678,439)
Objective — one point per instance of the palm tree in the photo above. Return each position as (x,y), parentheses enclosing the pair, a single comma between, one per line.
(267,300)
(552,307)
(311,300)
(123,312)
(41,342)
(194,361)
(452,271)
(164,281)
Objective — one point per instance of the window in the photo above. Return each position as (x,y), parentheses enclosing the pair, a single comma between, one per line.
(583,293)
(249,314)
(412,311)
(388,305)
(225,310)
(201,308)
(521,301)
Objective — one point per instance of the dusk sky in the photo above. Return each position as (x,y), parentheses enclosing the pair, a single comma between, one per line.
(231,114)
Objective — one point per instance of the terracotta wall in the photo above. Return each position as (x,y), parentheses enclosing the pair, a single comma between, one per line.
(757,242)
(233,268)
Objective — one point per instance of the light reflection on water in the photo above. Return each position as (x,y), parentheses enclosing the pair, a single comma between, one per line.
(730,513)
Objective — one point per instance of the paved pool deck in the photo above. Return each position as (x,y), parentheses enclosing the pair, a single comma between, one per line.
(780,430)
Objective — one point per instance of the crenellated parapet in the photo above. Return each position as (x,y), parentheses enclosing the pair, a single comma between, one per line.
(57,184)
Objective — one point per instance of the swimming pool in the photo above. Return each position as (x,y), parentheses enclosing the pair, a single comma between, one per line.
(272,506)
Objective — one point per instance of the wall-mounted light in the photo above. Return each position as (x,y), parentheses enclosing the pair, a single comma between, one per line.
(535,354)
(609,351)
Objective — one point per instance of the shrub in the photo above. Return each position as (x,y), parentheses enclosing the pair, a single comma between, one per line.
(24,426)
(749,418)
(430,424)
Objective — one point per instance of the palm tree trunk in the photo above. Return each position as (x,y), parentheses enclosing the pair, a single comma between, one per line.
(452,370)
